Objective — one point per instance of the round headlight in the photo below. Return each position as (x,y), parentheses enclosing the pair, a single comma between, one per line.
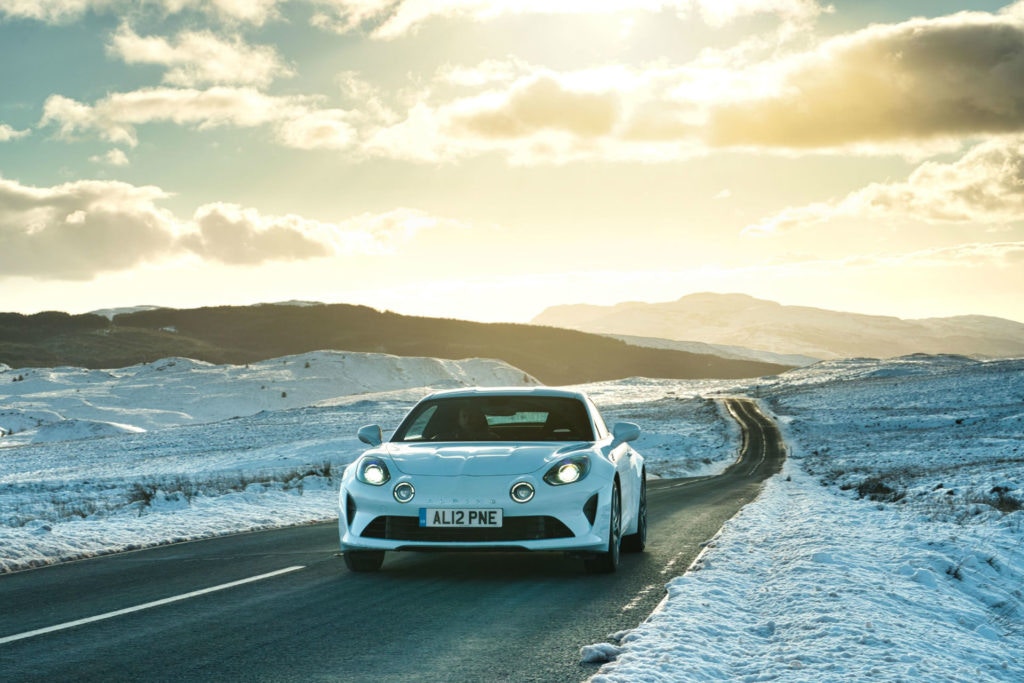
(374,474)
(373,471)
(522,492)
(404,492)
(568,473)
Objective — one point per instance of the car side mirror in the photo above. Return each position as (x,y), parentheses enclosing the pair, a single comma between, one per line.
(371,434)
(625,431)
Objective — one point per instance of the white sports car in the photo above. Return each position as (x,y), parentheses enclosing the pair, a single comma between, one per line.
(496,469)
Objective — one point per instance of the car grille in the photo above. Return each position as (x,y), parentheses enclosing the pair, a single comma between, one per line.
(529,528)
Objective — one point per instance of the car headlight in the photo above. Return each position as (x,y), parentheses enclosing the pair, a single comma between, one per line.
(373,471)
(568,470)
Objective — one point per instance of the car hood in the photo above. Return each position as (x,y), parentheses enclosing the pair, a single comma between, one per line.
(477,460)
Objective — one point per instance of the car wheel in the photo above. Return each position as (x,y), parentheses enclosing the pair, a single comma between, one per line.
(363,560)
(608,562)
(635,543)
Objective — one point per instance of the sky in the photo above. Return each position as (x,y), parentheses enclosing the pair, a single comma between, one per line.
(484,160)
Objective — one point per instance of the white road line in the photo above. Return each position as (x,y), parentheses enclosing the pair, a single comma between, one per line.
(644,592)
(148,605)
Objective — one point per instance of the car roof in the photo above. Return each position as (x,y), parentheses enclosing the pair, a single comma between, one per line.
(478,392)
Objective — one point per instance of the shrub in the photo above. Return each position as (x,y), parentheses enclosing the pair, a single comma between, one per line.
(876,489)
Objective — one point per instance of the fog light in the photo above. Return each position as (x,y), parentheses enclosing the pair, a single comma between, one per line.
(404,492)
(522,492)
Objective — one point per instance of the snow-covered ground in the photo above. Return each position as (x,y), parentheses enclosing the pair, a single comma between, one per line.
(889,548)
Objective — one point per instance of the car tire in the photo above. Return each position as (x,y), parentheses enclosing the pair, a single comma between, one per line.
(363,560)
(635,543)
(607,562)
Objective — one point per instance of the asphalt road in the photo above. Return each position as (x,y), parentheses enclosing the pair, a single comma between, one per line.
(280,605)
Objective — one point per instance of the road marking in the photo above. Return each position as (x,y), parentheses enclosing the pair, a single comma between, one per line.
(671,563)
(689,481)
(148,605)
(639,598)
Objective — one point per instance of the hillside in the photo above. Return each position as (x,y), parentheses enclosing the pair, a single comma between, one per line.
(246,334)
(741,320)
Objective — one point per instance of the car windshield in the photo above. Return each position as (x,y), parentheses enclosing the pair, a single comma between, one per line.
(497,418)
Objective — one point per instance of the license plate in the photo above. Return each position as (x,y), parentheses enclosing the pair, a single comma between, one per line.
(464,517)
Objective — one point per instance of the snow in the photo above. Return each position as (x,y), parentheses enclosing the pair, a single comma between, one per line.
(890,546)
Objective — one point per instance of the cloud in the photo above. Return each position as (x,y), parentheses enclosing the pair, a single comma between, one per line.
(234,235)
(114,157)
(537,104)
(719,13)
(8,133)
(393,19)
(51,11)
(200,58)
(954,76)
(383,233)
(115,117)
(231,234)
(912,88)
(78,230)
(974,255)
(985,186)
(254,12)
(530,114)
(396,18)
(319,129)
(535,115)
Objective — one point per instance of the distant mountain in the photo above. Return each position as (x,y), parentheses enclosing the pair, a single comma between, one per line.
(245,334)
(741,320)
(720,350)
(109,313)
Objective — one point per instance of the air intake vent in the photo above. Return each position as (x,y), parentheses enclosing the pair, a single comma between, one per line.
(528,528)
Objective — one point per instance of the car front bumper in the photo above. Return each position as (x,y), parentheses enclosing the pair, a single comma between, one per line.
(573,517)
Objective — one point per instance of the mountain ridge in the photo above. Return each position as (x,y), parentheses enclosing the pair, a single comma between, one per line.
(745,321)
(245,334)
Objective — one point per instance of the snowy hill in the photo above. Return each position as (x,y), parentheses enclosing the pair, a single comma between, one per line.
(889,548)
(741,320)
(34,402)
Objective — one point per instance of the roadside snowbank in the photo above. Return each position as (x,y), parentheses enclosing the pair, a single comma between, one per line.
(890,547)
